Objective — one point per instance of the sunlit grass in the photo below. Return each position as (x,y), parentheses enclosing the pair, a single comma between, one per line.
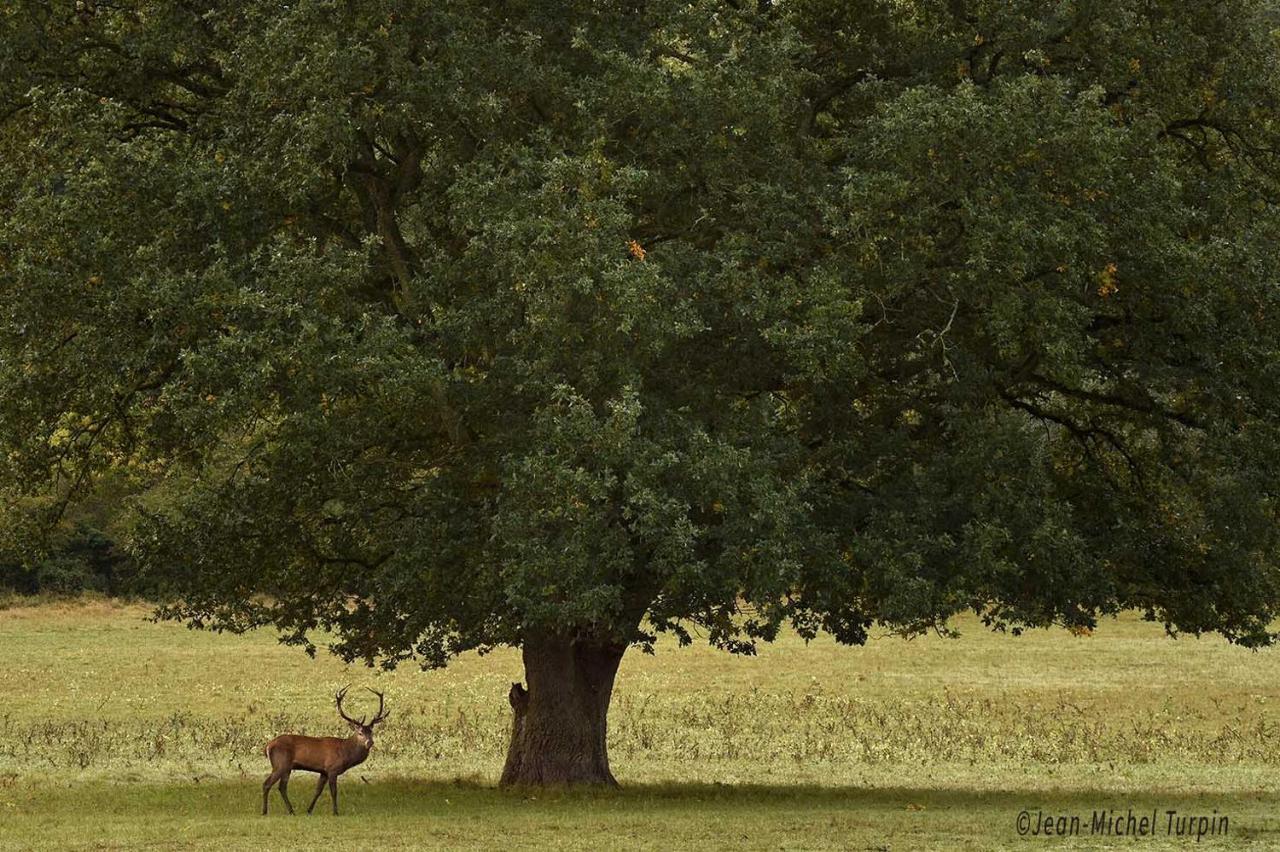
(119,732)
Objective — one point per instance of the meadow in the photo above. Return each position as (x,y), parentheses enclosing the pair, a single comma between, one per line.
(120,733)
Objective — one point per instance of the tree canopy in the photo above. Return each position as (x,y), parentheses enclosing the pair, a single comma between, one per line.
(449,325)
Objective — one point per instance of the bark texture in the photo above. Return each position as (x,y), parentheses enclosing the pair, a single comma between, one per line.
(558,735)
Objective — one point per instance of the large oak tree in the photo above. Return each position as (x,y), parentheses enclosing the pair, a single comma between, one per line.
(560,325)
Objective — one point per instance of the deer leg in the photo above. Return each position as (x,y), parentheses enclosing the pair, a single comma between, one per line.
(266,790)
(333,791)
(324,776)
(284,790)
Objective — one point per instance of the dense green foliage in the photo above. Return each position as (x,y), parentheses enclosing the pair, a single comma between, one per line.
(85,560)
(446,324)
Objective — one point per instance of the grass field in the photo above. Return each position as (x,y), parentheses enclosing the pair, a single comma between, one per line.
(119,733)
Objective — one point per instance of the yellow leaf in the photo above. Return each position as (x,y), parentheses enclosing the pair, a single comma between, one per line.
(1107,285)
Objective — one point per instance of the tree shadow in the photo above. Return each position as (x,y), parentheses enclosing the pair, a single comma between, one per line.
(807,796)
(469,799)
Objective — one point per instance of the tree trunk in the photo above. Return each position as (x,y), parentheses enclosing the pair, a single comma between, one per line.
(558,734)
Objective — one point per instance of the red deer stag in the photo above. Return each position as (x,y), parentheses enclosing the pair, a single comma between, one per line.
(330,756)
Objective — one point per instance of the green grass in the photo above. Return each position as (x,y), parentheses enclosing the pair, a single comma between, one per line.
(119,733)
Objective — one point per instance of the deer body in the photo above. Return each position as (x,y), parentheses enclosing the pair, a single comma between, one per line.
(328,756)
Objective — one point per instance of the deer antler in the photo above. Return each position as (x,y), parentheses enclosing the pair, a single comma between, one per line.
(342,693)
(382,714)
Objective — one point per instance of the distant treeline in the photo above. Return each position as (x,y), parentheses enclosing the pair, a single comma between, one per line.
(86,560)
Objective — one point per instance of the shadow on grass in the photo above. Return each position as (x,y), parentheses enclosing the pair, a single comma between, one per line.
(411,797)
(393,813)
(807,795)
